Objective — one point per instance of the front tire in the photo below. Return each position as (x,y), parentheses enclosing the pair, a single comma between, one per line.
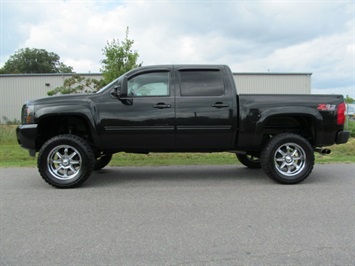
(65,161)
(288,158)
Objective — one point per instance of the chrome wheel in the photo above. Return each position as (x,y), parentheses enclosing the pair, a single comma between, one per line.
(290,159)
(64,162)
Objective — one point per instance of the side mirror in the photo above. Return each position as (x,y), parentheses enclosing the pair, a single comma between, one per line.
(116,92)
(120,90)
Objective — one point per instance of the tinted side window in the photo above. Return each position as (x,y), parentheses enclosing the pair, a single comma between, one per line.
(149,84)
(201,83)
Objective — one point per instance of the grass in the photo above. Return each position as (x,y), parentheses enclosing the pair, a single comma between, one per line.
(350,126)
(8,134)
(344,153)
(12,155)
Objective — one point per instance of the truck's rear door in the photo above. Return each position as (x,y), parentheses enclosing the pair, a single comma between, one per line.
(204,109)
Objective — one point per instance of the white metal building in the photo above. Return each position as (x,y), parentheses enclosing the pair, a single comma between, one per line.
(16,89)
(270,83)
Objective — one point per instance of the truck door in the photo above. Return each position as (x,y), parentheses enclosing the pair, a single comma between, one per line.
(204,110)
(145,118)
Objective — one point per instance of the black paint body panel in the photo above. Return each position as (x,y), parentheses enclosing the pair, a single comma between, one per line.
(119,121)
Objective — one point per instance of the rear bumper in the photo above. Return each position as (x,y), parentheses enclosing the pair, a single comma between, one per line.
(342,137)
(26,137)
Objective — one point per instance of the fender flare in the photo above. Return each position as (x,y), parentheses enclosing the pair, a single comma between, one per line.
(289,111)
(87,113)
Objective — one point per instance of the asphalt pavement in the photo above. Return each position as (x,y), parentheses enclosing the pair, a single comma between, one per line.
(179,215)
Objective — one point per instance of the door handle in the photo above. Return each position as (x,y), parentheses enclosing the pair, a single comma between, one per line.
(161,105)
(220,105)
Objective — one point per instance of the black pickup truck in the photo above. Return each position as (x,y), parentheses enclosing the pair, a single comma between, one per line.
(179,108)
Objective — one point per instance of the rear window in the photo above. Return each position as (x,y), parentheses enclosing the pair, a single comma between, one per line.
(201,83)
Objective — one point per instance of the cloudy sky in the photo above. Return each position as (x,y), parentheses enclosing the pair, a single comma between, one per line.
(314,36)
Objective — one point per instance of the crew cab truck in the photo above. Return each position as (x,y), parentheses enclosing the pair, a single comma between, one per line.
(179,108)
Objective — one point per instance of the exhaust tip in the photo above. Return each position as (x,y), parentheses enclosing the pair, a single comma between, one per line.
(323,151)
(326,151)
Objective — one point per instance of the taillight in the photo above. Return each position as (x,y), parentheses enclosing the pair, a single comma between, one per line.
(341,114)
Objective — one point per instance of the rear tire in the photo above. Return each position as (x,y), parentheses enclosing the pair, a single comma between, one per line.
(288,158)
(249,161)
(65,161)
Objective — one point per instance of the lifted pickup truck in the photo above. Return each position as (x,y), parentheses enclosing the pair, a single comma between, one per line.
(179,108)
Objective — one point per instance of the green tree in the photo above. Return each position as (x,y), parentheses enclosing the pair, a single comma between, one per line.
(26,61)
(348,99)
(119,58)
(78,84)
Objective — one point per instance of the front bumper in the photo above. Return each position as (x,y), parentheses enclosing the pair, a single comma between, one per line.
(26,137)
(342,137)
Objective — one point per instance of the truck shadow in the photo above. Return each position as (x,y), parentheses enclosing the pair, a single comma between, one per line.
(172,175)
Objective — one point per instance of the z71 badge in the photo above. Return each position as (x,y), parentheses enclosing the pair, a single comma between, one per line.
(326,107)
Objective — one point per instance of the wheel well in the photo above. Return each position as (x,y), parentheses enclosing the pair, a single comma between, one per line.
(301,125)
(58,125)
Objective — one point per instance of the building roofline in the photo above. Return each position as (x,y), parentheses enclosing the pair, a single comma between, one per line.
(50,74)
(273,73)
(100,74)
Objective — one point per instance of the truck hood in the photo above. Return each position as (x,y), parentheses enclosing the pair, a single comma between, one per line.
(62,99)
(60,105)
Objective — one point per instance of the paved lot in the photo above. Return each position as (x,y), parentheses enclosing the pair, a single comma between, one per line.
(195,215)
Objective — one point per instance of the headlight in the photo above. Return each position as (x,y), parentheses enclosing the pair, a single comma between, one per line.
(27,114)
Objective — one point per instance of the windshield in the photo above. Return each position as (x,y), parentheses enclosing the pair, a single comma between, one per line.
(111,84)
